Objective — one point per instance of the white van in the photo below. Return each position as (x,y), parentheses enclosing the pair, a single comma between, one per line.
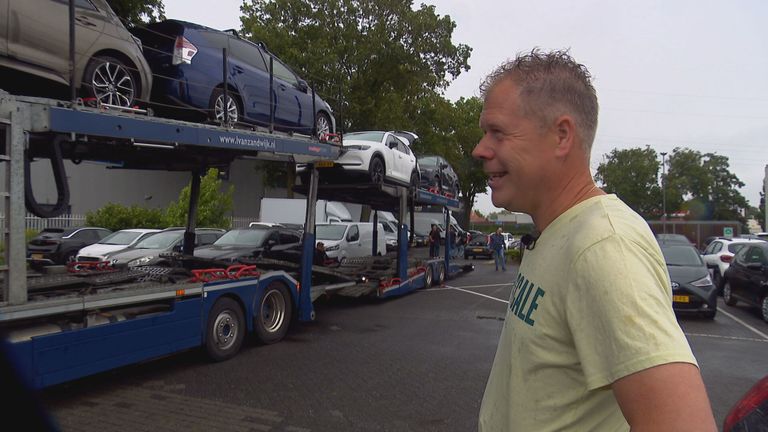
(344,240)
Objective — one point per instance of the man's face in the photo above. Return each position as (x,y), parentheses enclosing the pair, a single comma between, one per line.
(515,150)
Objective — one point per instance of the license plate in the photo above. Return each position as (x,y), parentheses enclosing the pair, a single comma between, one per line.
(37,256)
(681,299)
(477,250)
(324,164)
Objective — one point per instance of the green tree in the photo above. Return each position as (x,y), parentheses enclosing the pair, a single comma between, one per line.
(138,11)
(465,134)
(382,56)
(704,185)
(213,208)
(632,174)
(117,216)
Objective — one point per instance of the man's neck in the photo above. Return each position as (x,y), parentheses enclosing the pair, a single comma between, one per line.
(565,196)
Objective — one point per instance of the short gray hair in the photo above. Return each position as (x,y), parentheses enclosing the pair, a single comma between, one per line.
(551,84)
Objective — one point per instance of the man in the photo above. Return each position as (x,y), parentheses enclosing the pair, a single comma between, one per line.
(321,256)
(434,242)
(590,341)
(497,245)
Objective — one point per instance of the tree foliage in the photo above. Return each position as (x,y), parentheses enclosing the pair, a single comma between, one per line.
(138,11)
(117,217)
(632,174)
(704,185)
(214,206)
(380,57)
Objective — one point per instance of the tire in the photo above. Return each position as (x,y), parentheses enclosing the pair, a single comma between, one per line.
(428,277)
(764,308)
(225,331)
(216,107)
(376,170)
(273,314)
(728,295)
(322,124)
(68,256)
(110,81)
(710,314)
(414,188)
(440,274)
(717,280)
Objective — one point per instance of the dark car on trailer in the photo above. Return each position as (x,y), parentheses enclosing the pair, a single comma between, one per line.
(746,279)
(60,245)
(187,60)
(692,287)
(252,243)
(438,175)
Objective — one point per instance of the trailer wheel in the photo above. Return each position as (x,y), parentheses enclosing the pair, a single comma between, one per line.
(225,330)
(440,278)
(274,314)
(428,277)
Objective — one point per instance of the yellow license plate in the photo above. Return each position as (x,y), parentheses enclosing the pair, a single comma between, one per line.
(324,164)
(681,299)
(37,256)
(477,250)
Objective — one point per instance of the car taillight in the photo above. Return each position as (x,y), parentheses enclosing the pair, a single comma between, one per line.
(755,397)
(183,51)
(726,258)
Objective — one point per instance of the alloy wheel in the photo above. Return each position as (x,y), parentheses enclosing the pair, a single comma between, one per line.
(112,84)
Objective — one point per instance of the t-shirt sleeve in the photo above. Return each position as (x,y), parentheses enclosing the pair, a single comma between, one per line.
(619,311)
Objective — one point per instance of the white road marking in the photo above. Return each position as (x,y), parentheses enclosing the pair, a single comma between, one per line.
(477,294)
(483,286)
(733,317)
(727,337)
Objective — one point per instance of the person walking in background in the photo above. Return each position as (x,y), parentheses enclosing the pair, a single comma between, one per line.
(590,341)
(461,243)
(497,245)
(450,242)
(434,242)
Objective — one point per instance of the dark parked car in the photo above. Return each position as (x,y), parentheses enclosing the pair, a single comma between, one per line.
(149,250)
(746,279)
(692,288)
(187,59)
(673,238)
(438,175)
(478,246)
(254,242)
(109,65)
(60,245)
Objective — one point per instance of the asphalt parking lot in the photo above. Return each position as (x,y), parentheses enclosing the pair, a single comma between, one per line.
(414,363)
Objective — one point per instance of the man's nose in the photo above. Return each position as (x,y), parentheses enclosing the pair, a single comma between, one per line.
(482,150)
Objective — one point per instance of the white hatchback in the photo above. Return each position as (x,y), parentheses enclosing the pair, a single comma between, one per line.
(376,156)
(114,242)
(719,253)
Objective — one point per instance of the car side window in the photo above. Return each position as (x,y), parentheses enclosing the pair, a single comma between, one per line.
(248,53)
(83,4)
(754,255)
(281,71)
(353,234)
(740,256)
(718,246)
(287,238)
(206,239)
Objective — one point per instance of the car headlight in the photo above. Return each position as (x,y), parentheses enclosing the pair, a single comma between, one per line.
(357,147)
(392,242)
(705,281)
(332,248)
(140,261)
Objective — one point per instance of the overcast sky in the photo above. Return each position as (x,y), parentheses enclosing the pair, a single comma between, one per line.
(668,74)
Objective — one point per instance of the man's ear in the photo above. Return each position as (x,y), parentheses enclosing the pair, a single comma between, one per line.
(565,131)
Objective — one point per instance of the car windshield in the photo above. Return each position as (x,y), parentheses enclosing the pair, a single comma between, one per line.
(161,240)
(735,247)
(365,136)
(242,237)
(679,255)
(673,238)
(479,240)
(120,238)
(428,161)
(330,232)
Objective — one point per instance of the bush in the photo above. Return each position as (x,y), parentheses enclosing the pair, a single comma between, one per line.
(513,255)
(116,217)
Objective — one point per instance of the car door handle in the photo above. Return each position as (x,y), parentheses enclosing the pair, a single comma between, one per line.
(84,21)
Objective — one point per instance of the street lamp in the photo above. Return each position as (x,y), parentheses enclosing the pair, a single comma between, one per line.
(664,191)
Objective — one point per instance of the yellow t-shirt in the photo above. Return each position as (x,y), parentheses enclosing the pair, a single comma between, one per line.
(592,303)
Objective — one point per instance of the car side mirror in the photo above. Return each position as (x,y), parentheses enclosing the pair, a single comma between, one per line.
(392,144)
(303,86)
(270,243)
(443,165)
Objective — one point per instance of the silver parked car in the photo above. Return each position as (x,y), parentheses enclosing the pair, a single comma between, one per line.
(109,64)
